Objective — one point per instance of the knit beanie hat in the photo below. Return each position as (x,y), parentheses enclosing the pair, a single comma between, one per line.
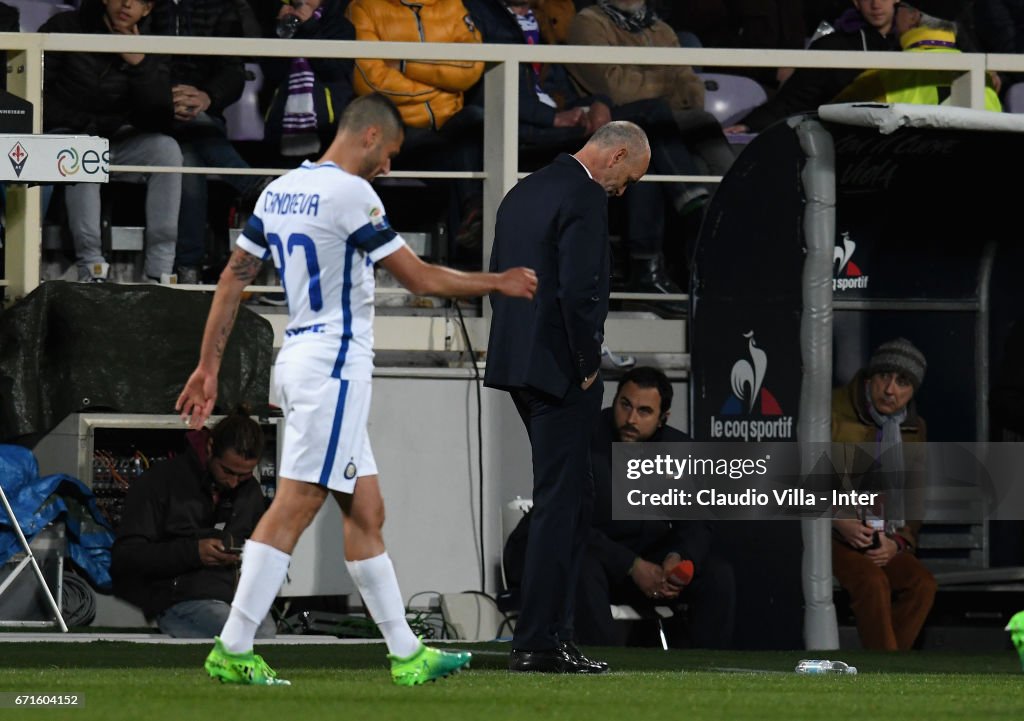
(901,356)
(945,9)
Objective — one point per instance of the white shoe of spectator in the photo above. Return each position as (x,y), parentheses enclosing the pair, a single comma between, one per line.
(95,273)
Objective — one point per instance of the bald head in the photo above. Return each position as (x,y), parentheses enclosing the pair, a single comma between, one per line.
(617,155)
(622,133)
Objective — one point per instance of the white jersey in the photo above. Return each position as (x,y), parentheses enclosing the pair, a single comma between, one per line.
(324,229)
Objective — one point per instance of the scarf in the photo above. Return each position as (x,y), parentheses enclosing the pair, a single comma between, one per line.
(531,33)
(299,123)
(631,22)
(891,456)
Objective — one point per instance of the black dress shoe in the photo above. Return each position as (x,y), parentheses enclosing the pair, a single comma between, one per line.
(551,660)
(584,664)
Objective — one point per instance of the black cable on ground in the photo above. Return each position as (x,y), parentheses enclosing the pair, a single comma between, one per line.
(78,602)
(480,441)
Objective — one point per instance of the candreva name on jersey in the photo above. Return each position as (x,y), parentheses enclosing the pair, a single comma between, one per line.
(291,203)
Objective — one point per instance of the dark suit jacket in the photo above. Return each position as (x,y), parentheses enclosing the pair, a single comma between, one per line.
(556,222)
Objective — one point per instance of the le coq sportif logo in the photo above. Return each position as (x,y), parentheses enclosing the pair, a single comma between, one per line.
(848,274)
(751,412)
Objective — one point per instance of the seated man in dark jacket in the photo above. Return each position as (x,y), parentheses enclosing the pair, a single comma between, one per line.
(177,551)
(125,97)
(632,561)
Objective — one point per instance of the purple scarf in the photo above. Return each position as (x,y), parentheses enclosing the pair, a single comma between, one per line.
(298,125)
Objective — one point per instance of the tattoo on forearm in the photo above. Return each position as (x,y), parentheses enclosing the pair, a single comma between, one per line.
(225,333)
(246,267)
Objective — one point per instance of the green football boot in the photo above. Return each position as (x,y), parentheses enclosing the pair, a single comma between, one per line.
(244,668)
(1016,629)
(427,664)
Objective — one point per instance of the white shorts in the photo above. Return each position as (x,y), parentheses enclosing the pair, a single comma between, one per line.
(325,437)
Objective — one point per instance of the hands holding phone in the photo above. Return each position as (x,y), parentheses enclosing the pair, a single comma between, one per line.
(215,552)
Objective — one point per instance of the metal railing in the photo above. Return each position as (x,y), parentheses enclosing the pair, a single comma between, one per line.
(501,101)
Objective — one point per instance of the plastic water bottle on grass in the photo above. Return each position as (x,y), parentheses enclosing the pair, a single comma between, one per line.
(816,666)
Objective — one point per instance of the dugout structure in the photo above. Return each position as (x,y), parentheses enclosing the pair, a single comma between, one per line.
(832,232)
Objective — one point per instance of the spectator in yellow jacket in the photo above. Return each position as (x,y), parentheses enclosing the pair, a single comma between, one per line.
(918,33)
(427,93)
(443,131)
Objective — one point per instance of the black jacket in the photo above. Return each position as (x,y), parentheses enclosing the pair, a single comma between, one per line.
(556,222)
(222,77)
(335,74)
(98,93)
(155,559)
(536,119)
(998,28)
(807,88)
(999,25)
(617,543)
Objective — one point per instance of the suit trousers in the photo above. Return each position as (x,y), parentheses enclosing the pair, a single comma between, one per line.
(563,497)
(890,602)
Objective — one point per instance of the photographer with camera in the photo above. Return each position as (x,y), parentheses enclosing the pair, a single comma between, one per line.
(178,547)
(891,592)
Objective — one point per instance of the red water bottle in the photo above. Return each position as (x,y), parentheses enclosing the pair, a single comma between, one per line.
(681,574)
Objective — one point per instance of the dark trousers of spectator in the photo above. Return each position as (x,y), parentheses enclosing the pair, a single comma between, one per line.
(457,146)
(563,498)
(204,143)
(890,602)
(704,613)
(670,155)
(703,135)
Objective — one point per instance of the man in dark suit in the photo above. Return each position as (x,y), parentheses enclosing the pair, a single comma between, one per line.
(547,354)
(650,562)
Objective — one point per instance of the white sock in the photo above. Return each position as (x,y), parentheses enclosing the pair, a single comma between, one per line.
(378,585)
(263,571)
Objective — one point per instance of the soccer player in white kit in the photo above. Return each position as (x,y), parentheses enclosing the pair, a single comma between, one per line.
(324,227)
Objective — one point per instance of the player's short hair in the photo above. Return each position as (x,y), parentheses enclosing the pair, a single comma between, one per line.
(237,432)
(648,377)
(370,110)
(622,133)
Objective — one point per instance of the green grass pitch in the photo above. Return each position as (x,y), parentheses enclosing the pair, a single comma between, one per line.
(150,682)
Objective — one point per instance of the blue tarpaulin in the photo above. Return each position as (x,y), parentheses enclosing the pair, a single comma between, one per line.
(38,502)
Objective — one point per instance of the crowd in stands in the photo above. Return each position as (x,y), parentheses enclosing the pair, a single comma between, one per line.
(170,110)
